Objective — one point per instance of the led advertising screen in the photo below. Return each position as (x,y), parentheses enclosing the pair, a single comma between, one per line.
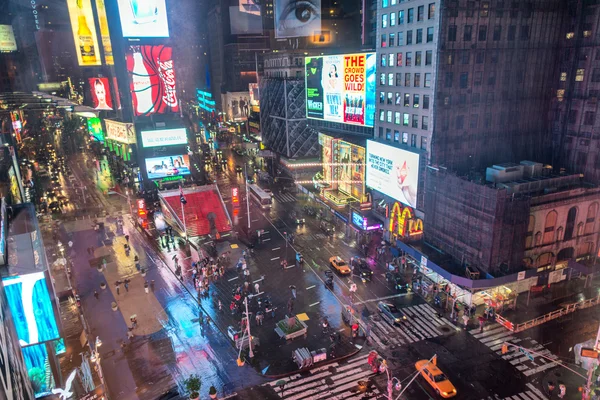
(7,39)
(152,80)
(144,18)
(38,368)
(95,129)
(104,33)
(84,32)
(31,307)
(242,22)
(341,88)
(100,90)
(297,19)
(350,170)
(164,137)
(250,6)
(162,167)
(393,172)
(122,132)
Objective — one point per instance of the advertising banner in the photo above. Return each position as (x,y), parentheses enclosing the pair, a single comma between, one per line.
(143,18)
(104,33)
(341,88)
(120,131)
(162,167)
(100,90)
(7,39)
(250,6)
(295,19)
(254,97)
(237,105)
(95,130)
(164,137)
(152,80)
(393,172)
(350,168)
(84,32)
(327,156)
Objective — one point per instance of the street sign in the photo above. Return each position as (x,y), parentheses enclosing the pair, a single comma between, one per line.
(591,353)
(527,354)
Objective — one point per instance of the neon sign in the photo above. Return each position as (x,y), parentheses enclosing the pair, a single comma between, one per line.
(403,223)
(235,192)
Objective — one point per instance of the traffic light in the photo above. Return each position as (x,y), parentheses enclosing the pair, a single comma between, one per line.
(504,348)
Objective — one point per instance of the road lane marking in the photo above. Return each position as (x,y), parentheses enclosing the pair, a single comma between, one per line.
(258,280)
(276,248)
(266,240)
(289,266)
(254,220)
(314,304)
(381,298)
(276,258)
(232,279)
(310,287)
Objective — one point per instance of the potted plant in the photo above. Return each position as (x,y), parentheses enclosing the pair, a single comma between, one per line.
(193,384)
(212,392)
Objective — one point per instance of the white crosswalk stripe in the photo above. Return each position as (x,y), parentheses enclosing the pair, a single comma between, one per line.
(285,197)
(337,381)
(422,322)
(532,394)
(495,335)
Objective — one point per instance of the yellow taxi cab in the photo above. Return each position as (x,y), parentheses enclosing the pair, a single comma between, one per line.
(340,265)
(436,378)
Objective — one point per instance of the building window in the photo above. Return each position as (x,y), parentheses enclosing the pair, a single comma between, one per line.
(448,80)
(492,79)
(474,120)
(382,79)
(478,78)
(420,13)
(407,78)
(384,20)
(511,32)
(589,118)
(408,37)
(411,15)
(393,19)
(460,121)
(428,57)
(468,33)
(452,33)
(408,62)
(399,59)
(431,11)
(384,60)
(415,121)
(549,227)
(413,140)
(416,101)
(579,75)
(391,59)
(398,98)
(464,80)
(447,100)
(484,11)
(570,35)
(423,142)
(590,219)
(595,75)
(383,41)
(480,57)
(427,80)
(487,120)
(450,59)
(406,99)
(419,38)
(399,77)
(417,80)
(430,34)
(400,38)
(384,3)
(381,97)
(397,117)
(389,117)
(396,136)
(470,9)
(381,132)
(560,94)
(405,137)
(388,134)
(530,230)
(418,58)
(497,33)
(392,39)
(405,119)
(525,32)
(400,17)
(482,33)
(390,98)
(382,115)
(391,79)
(425,122)
(426,101)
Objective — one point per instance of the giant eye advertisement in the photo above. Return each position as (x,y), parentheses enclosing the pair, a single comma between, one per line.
(297,18)
(31,308)
(100,90)
(341,88)
(84,32)
(162,167)
(393,172)
(152,80)
(144,18)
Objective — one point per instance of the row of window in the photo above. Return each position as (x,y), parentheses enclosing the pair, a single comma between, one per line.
(460,121)
(393,39)
(398,60)
(392,79)
(392,18)
(404,119)
(589,117)
(484,9)
(400,99)
(482,33)
(404,138)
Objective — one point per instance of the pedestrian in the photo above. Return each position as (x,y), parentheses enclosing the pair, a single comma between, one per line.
(246,272)
(293,288)
(465,319)
(146,286)
(130,334)
(104,263)
(93,250)
(127,238)
(256,288)
(551,388)
(152,285)
(126,285)
(220,306)
(117,286)
(481,323)
(260,316)
(562,390)
(290,306)
(96,295)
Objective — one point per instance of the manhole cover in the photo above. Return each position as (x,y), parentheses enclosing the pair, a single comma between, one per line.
(445,328)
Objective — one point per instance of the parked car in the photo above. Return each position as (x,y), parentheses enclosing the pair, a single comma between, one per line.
(391,313)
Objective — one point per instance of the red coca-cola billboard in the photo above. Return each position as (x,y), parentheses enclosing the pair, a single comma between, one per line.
(152,80)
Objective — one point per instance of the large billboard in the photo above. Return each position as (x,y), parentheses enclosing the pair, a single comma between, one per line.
(152,80)
(143,18)
(297,19)
(349,168)
(393,172)
(31,307)
(164,137)
(162,167)
(237,105)
(84,32)
(121,132)
(7,39)
(245,19)
(341,88)
(104,33)
(95,129)
(100,91)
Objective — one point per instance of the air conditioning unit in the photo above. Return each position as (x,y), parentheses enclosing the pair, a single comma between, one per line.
(504,173)
(531,169)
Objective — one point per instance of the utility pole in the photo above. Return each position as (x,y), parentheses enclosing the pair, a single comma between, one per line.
(247,201)
(250,352)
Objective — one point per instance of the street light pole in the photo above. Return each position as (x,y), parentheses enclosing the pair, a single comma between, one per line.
(247,201)
(250,352)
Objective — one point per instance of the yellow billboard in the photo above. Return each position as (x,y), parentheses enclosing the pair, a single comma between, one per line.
(84,32)
(104,33)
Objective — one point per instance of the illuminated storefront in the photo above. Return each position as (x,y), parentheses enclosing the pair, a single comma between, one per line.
(120,138)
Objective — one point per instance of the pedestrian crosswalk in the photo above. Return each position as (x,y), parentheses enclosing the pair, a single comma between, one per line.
(285,197)
(496,335)
(532,393)
(422,322)
(336,381)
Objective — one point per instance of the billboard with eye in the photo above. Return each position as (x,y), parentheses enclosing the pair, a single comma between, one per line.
(297,18)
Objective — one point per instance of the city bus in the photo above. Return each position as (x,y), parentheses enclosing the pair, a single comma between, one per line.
(262,198)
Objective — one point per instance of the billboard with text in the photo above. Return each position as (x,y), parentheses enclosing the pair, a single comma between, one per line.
(341,88)
(7,39)
(144,18)
(164,137)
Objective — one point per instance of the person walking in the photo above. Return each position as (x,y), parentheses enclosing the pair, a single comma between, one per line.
(146,286)
(104,263)
(220,306)
(481,320)
(256,288)
(152,285)
(96,295)
(126,284)
(465,318)
(117,286)
(293,288)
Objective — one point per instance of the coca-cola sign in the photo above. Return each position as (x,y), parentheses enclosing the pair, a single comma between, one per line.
(152,80)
